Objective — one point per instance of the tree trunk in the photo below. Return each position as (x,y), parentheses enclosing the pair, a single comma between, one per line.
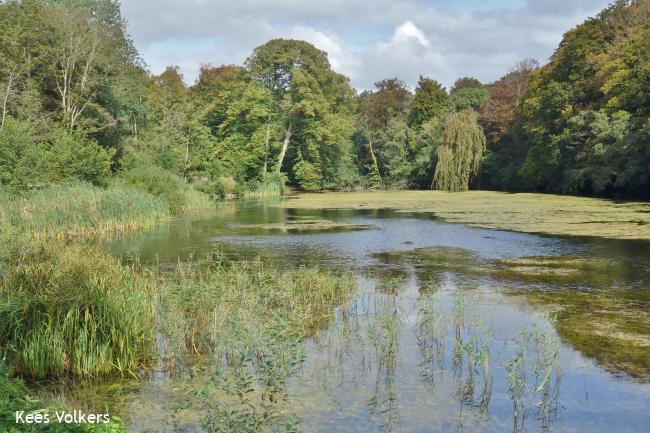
(374,158)
(285,145)
(267,143)
(6,98)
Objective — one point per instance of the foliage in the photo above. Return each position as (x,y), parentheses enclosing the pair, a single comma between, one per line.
(14,397)
(459,156)
(159,183)
(72,310)
(468,93)
(581,127)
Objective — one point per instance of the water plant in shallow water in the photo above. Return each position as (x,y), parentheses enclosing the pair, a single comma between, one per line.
(516,380)
(72,310)
(251,390)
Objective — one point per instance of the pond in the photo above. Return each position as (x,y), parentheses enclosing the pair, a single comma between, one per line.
(451,328)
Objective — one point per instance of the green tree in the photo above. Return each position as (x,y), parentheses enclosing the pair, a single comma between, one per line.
(310,106)
(467,93)
(459,156)
(430,100)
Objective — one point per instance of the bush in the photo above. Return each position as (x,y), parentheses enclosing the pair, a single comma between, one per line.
(224,186)
(160,183)
(20,156)
(307,176)
(73,156)
(72,310)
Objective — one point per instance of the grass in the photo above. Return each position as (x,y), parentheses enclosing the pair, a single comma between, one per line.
(271,186)
(79,210)
(14,396)
(219,305)
(71,310)
(530,213)
(247,319)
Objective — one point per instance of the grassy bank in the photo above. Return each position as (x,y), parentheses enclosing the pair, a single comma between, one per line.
(530,213)
(71,311)
(79,210)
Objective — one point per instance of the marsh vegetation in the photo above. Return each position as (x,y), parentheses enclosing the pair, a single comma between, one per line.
(411,324)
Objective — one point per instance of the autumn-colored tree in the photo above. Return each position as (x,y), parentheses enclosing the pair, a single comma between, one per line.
(498,112)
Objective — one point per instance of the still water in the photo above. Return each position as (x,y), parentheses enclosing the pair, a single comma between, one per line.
(451,329)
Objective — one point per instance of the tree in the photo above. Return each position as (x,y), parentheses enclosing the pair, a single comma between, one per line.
(497,113)
(467,93)
(383,133)
(177,132)
(459,156)
(310,105)
(88,48)
(430,100)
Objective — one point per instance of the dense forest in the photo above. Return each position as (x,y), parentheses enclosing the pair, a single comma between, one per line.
(77,103)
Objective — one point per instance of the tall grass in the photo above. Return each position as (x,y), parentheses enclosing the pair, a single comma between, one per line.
(79,209)
(272,185)
(249,317)
(72,310)
(226,304)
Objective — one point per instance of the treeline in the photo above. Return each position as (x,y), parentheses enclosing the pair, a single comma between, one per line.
(78,103)
(580,124)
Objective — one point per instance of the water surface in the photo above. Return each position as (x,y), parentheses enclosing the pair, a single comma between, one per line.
(441,313)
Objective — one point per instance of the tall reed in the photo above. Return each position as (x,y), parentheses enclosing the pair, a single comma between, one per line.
(79,209)
(72,310)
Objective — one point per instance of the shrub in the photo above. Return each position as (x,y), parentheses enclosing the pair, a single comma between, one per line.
(20,156)
(73,156)
(159,182)
(307,176)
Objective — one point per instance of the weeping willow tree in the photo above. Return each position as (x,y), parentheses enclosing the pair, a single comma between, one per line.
(459,156)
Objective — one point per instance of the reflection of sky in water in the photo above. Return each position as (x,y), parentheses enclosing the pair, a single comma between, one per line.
(403,232)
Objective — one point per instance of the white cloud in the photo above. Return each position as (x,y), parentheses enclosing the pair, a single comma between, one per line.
(408,32)
(367,40)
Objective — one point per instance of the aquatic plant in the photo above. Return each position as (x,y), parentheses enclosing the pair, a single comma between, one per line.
(516,381)
(252,388)
(529,213)
(214,304)
(72,310)
(77,210)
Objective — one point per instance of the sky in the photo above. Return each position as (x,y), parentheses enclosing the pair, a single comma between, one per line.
(367,40)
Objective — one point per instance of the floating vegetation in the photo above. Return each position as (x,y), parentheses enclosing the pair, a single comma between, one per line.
(530,213)
(304,225)
(596,312)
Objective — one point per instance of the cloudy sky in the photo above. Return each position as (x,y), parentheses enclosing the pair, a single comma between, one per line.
(367,40)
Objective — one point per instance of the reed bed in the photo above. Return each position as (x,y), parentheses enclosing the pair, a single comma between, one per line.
(226,304)
(72,310)
(79,210)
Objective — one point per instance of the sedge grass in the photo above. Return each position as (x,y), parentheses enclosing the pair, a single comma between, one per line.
(71,310)
(215,304)
(79,210)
